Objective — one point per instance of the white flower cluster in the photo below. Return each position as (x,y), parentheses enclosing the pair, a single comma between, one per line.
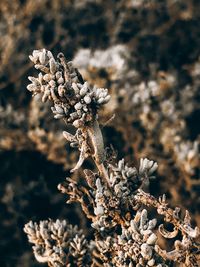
(125,179)
(124,182)
(99,209)
(147,167)
(55,241)
(113,57)
(74,100)
(187,154)
(135,246)
(143,92)
(141,232)
(103,204)
(124,235)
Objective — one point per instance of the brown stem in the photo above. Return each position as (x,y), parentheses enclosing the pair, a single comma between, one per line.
(103,173)
(97,143)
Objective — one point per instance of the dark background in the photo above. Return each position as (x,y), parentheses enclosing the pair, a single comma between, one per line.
(159,41)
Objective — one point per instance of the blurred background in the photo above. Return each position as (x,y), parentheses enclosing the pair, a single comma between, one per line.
(147,53)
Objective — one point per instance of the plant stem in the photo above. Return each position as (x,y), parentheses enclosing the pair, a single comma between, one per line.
(96,139)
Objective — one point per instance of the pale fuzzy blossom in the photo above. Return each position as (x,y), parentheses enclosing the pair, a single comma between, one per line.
(113,57)
(60,82)
(54,242)
(147,166)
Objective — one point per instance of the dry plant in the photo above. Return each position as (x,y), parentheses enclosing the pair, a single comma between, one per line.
(115,198)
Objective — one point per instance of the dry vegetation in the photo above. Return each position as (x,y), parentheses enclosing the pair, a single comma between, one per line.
(147,54)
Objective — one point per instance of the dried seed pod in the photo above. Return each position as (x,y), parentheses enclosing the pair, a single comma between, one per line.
(99,210)
(76,88)
(84,89)
(52,65)
(68,136)
(40,78)
(59,109)
(49,54)
(152,224)
(74,115)
(100,100)
(36,53)
(42,68)
(86,110)
(33,59)
(58,75)
(146,251)
(78,123)
(31,87)
(47,77)
(87,99)
(107,99)
(61,90)
(52,83)
(59,116)
(79,112)
(151,262)
(152,239)
(78,106)
(34,80)
(60,80)
(42,56)
(45,96)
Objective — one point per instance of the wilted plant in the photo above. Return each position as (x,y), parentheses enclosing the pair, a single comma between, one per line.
(114,197)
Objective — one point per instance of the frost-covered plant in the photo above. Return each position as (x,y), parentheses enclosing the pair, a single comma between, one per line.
(55,242)
(114,197)
(73,100)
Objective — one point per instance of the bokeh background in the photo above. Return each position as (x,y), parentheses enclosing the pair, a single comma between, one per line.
(147,53)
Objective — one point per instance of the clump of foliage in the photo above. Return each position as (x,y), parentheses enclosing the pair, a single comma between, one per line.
(115,198)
